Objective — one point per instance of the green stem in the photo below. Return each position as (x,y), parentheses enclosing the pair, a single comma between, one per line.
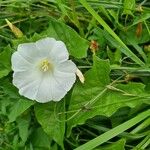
(116,67)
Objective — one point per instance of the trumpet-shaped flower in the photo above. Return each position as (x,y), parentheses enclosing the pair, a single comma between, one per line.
(42,71)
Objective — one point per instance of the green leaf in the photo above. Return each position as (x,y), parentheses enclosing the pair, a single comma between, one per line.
(5,65)
(21,40)
(114,132)
(40,139)
(52,123)
(115,57)
(18,108)
(96,80)
(120,116)
(9,89)
(4,71)
(76,45)
(54,147)
(130,34)
(140,18)
(129,39)
(100,39)
(119,145)
(124,49)
(18,103)
(23,125)
(97,96)
(129,7)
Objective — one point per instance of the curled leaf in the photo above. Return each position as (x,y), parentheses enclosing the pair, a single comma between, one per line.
(17,32)
(139,29)
(80,75)
(94,46)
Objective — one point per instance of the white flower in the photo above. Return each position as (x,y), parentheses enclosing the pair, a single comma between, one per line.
(42,71)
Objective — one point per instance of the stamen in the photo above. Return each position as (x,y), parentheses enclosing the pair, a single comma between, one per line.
(45,65)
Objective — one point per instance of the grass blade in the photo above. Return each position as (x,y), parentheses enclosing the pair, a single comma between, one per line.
(126,50)
(114,132)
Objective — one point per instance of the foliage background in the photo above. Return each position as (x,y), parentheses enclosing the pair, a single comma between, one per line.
(109,42)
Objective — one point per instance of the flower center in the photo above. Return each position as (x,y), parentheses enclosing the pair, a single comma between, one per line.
(45,65)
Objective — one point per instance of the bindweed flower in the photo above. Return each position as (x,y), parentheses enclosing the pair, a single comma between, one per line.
(42,71)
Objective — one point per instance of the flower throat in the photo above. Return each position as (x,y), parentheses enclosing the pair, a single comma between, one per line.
(45,65)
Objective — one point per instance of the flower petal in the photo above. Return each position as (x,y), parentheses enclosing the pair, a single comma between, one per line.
(27,82)
(49,90)
(65,80)
(59,52)
(45,45)
(67,67)
(19,63)
(64,74)
(29,51)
